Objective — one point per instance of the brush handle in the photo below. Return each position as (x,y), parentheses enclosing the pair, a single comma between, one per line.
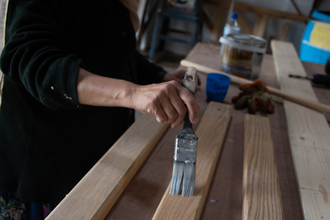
(190,82)
(190,79)
(187,126)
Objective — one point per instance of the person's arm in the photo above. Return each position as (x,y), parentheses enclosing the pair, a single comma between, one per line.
(169,101)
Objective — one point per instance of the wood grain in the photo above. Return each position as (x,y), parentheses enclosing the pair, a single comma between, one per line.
(96,193)
(309,135)
(261,191)
(211,134)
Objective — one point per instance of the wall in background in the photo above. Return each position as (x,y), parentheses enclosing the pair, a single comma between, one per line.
(273,30)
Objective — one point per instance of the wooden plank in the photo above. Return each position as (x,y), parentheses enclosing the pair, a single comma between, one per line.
(207,20)
(260,10)
(260,25)
(211,134)
(285,30)
(242,23)
(96,193)
(302,100)
(261,190)
(309,135)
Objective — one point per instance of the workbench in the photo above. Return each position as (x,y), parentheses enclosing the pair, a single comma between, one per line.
(224,201)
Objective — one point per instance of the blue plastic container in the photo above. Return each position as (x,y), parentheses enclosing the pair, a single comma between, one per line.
(217,87)
(316,40)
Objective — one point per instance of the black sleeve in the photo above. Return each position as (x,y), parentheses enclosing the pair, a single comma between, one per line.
(148,72)
(35,56)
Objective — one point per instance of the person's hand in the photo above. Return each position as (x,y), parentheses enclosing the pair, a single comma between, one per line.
(169,101)
(178,76)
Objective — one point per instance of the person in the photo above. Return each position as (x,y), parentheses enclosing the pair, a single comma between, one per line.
(73,78)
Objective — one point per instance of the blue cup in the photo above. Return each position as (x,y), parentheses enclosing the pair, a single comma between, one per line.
(217,86)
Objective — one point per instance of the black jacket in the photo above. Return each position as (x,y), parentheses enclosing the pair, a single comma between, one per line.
(48,141)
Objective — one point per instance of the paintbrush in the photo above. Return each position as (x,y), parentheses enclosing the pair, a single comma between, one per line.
(184,165)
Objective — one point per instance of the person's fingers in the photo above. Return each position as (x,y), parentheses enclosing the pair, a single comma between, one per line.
(189,100)
(169,109)
(155,108)
(169,101)
(180,108)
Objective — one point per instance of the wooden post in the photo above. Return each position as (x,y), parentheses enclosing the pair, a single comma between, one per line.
(216,27)
(260,25)
(285,30)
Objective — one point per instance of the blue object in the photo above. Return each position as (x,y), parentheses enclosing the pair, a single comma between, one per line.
(321,15)
(217,86)
(310,52)
(233,15)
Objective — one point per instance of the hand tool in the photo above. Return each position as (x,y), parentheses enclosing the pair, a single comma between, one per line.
(184,165)
(319,79)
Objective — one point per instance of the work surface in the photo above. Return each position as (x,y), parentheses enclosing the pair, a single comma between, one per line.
(224,201)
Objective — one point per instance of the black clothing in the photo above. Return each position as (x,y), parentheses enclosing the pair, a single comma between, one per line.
(48,141)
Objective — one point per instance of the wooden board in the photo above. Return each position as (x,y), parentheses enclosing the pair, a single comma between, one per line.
(260,25)
(211,134)
(96,193)
(141,197)
(261,190)
(309,135)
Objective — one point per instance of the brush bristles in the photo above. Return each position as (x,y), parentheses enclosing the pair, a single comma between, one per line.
(188,184)
(176,177)
(187,171)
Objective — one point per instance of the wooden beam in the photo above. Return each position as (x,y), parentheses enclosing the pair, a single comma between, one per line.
(260,10)
(261,190)
(285,30)
(216,26)
(211,134)
(98,190)
(260,25)
(305,101)
(244,26)
(142,10)
(309,135)
(207,20)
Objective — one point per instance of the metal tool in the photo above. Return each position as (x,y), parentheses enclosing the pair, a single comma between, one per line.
(319,79)
(184,165)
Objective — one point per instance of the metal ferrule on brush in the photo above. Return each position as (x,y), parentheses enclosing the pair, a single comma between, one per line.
(186,144)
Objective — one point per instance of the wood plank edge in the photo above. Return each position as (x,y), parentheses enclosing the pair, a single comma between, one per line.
(106,205)
(210,177)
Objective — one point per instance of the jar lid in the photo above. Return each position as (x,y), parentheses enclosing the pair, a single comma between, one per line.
(245,42)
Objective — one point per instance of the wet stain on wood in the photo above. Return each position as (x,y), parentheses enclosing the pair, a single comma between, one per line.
(324,193)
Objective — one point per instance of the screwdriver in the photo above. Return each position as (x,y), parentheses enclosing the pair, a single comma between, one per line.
(319,79)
